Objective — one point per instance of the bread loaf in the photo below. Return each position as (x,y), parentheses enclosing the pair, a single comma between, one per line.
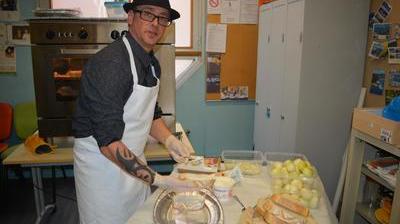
(291,204)
(260,209)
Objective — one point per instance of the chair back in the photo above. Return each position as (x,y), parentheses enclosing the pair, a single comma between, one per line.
(25,119)
(5,121)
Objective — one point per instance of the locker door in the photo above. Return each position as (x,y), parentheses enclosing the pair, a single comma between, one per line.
(291,83)
(264,55)
(274,78)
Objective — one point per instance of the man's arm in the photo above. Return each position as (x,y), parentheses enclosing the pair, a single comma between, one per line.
(119,154)
(159,130)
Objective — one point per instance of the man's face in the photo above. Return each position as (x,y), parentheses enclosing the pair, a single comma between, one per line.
(147,33)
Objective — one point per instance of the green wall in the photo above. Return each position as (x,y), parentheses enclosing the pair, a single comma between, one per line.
(213,126)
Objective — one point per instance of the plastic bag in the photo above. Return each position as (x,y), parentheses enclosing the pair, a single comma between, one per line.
(392,110)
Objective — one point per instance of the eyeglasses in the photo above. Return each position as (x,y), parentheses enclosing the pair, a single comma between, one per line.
(150,17)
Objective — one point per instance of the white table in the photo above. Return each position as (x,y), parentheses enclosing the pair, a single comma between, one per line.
(64,156)
(248,191)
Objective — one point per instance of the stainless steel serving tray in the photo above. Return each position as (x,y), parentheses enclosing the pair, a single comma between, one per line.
(164,213)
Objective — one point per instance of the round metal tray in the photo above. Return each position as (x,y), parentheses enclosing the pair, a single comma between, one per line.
(165,213)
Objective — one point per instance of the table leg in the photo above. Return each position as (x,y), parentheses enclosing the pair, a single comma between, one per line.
(41,208)
(36,192)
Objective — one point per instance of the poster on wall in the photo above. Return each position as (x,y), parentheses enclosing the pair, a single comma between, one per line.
(381,31)
(18,34)
(3,33)
(377,82)
(9,10)
(394,78)
(234,93)
(394,55)
(8,63)
(214,6)
(213,73)
(377,50)
(383,12)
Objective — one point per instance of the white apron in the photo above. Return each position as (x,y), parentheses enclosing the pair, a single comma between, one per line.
(105,193)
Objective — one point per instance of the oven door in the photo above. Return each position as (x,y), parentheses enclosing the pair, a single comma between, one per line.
(57,71)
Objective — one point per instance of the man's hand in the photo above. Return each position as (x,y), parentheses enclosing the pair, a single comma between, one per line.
(180,183)
(179,151)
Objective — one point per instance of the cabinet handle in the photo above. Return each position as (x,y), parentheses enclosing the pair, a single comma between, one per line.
(268,39)
(268,113)
(257,103)
(283,37)
(282,117)
(301,37)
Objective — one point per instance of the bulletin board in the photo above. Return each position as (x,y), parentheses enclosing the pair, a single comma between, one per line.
(380,68)
(239,62)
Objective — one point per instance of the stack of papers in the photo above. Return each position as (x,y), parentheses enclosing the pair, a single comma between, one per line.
(385,167)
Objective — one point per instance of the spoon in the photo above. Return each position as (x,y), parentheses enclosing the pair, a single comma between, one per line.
(241,204)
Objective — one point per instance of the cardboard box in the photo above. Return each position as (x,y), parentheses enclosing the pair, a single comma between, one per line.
(371,121)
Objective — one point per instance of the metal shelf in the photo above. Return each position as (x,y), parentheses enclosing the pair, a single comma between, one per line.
(366,212)
(375,177)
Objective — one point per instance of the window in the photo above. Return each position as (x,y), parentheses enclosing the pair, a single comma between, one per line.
(189,30)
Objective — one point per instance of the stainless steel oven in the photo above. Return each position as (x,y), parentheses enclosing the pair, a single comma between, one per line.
(60,49)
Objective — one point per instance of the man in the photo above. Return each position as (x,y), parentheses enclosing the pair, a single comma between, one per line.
(116,111)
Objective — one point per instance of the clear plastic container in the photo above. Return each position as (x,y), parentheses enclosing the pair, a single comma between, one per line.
(115,9)
(249,162)
(292,173)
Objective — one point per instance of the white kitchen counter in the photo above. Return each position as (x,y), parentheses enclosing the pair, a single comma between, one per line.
(249,190)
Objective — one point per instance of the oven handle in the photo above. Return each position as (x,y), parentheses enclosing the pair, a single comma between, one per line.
(79,51)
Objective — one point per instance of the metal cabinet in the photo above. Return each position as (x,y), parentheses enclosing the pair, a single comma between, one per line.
(352,202)
(309,75)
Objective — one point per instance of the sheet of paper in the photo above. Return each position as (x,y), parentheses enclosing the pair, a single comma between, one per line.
(214,6)
(230,11)
(216,37)
(9,10)
(7,59)
(3,33)
(248,12)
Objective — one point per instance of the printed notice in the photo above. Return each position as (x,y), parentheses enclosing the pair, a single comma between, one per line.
(216,38)
(7,59)
(230,11)
(248,12)
(214,6)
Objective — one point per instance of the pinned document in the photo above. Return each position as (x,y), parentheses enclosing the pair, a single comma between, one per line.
(216,38)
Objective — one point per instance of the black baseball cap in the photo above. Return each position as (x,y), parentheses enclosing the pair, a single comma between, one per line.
(160,3)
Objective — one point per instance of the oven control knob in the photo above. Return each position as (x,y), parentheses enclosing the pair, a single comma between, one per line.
(83,34)
(50,34)
(114,34)
(123,33)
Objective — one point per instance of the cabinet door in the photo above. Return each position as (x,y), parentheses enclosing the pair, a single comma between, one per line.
(291,83)
(274,75)
(264,57)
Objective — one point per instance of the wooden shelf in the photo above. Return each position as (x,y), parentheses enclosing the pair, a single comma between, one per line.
(366,212)
(355,168)
(375,177)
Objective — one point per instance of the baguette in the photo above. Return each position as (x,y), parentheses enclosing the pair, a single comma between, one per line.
(280,215)
(290,204)
(260,208)
(271,219)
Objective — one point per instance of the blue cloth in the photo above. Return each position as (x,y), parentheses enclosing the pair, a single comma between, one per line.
(392,110)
